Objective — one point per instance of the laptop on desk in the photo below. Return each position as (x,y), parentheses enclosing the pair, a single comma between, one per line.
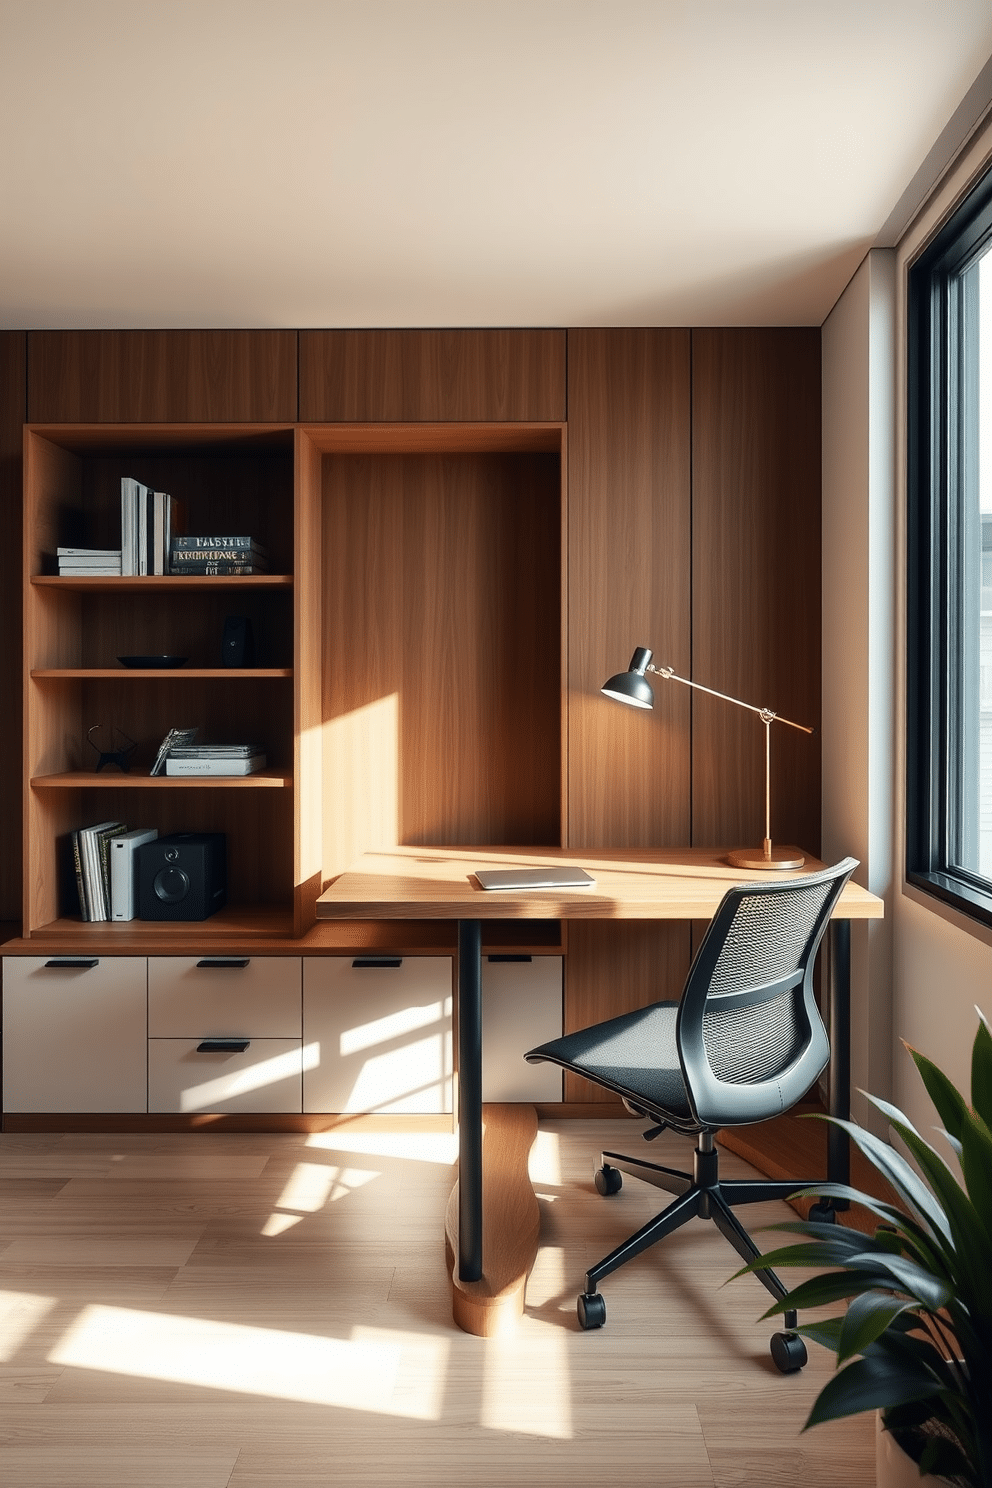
(535,878)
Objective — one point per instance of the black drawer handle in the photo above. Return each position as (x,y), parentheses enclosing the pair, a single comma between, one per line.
(223,1046)
(362,961)
(509,958)
(209,961)
(76,963)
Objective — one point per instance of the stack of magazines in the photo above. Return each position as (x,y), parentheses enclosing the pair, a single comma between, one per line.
(218,555)
(214,759)
(89,563)
(105,863)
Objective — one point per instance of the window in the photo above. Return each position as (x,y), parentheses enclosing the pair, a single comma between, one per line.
(949,676)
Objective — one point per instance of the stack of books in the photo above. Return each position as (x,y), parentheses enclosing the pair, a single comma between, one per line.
(214,759)
(89,563)
(149,520)
(218,555)
(105,864)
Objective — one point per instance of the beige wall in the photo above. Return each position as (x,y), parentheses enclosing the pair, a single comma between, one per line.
(942,961)
(858,614)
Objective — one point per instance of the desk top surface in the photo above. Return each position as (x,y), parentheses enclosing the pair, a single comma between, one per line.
(424,883)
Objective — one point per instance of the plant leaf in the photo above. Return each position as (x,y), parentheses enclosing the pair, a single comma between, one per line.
(950,1104)
(896,1169)
(976,1165)
(866,1319)
(969,1237)
(932,1292)
(981,1071)
(818,1291)
(825,1333)
(870,1384)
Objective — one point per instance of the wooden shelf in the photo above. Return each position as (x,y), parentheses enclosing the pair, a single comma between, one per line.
(90,780)
(261,924)
(151,582)
(158,674)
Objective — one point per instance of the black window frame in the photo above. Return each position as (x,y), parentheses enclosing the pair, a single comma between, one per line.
(939,385)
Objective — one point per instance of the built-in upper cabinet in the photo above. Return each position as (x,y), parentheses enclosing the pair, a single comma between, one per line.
(166,377)
(432,376)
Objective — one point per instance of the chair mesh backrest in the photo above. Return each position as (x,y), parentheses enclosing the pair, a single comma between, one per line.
(765,943)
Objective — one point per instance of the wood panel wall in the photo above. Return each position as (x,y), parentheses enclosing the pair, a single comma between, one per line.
(629,584)
(180,377)
(441,679)
(756,581)
(12,414)
(432,376)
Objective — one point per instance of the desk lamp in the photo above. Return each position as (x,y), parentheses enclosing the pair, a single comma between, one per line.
(632,687)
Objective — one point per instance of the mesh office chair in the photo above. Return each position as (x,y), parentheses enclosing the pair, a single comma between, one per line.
(744,1044)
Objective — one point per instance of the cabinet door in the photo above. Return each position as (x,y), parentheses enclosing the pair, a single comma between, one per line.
(377,1033)
(185,1077)
(218,996)
(521,1008)
(75,1033)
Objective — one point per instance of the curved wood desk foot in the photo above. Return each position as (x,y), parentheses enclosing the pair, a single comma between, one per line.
(511,1220)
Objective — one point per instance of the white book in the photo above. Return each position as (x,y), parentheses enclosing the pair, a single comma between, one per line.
(124,871)
(217,765)
(88,571)
(144,502)
(95,553)
(129,526)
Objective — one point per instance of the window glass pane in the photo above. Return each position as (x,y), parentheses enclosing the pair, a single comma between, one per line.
(974,827)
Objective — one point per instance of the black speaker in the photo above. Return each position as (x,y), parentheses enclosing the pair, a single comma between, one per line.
(238,646)
(182,876)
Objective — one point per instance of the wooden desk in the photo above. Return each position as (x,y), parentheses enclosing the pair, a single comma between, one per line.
(438,883)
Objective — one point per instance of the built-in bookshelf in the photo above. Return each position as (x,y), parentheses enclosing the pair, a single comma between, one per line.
(407,684)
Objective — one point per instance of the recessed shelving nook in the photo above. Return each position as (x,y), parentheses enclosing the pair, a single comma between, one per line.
(407,686)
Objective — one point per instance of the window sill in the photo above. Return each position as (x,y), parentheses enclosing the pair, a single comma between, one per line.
(956,900)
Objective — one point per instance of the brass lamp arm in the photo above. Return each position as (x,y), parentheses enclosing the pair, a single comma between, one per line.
(765,714)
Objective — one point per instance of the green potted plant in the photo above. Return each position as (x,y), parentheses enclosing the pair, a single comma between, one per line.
(915,1341)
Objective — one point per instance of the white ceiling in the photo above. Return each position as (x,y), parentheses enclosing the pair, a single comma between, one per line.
(460,162)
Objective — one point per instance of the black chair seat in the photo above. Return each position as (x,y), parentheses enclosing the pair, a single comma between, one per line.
(635,1055)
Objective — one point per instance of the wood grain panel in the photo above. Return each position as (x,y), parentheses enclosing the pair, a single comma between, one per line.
(441,651)
(628,583)
(628,543)
(162,376)
(12,414)
(756,581)
(432,374)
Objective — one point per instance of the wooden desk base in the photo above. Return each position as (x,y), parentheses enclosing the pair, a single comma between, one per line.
(511,1226)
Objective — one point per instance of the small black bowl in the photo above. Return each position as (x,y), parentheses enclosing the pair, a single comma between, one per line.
(162,662)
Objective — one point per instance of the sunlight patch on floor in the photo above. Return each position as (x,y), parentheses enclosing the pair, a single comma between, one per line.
(20,1314)
(309,1188)
(544,1163)
(428,1147)
(527,1383)
(390,1373)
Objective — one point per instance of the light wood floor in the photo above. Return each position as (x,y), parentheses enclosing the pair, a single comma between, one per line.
(225,1310)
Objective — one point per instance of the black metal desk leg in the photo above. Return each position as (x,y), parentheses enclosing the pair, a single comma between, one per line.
(469,1100)
(838,1144)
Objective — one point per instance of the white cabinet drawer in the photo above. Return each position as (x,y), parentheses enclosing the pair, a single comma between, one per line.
(266,1076)
(377,1034)
(197,997)
(521,1008)
(74,1033)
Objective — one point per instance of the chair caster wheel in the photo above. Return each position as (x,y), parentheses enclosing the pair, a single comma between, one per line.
(608,1181)
(788,1352)
(591,1310)
(822,1212)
